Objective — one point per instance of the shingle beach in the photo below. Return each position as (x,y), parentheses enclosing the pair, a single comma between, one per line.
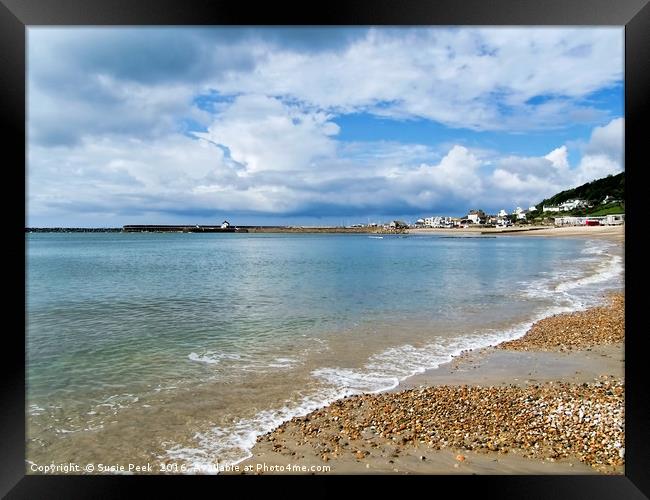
(555,426)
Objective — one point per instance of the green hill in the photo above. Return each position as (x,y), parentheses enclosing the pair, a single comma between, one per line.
(594,192)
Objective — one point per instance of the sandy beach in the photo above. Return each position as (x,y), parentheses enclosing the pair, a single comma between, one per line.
(613,233)
(551,402)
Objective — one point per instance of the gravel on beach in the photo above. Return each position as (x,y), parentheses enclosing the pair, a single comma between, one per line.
(551,421)
(583,329)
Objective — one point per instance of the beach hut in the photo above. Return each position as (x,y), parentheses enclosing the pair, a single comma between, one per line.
(615,219)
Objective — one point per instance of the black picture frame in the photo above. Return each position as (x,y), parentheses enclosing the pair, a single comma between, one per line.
(634,15)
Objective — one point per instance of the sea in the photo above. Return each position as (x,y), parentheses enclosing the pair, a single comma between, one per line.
(181,349)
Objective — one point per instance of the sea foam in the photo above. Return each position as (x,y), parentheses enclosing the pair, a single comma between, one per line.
(385,370)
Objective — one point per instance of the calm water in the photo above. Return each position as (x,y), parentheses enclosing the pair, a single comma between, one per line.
(187,346)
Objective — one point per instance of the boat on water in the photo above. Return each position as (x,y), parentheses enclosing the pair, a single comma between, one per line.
(376,237)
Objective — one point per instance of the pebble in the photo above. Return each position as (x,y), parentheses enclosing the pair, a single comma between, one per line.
(553,420)
(583,329)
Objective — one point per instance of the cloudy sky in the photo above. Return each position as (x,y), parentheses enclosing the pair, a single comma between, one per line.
(314,125)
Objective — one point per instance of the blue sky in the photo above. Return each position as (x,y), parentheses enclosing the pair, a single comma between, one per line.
(314,125)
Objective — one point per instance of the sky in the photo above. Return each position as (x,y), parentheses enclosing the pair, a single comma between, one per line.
(314,126)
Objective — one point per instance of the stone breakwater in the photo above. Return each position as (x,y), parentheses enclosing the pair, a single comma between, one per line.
(584,329)
(553,421)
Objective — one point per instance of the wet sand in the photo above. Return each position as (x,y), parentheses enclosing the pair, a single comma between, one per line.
(496,366)
(539,405)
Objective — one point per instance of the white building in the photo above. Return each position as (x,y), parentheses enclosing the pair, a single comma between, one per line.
(566,206)
(570,221)
(608,199)
(476,216)
(572,204)
(581,221)
(615,219)
(438,221)
(520,213)
(225,224)
(503,213)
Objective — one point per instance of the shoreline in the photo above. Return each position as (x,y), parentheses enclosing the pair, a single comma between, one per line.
(344,436)
(482,366)
(610,232)
(613,233)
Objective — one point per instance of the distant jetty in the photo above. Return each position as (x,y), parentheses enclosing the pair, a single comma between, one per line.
(73,229)
(191,228)
(149,228)
(241,229)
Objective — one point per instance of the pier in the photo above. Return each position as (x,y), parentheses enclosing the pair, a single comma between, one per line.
(149,228)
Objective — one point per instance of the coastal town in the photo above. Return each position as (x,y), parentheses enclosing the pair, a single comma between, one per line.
(553,216)
(597,203)
(563,216)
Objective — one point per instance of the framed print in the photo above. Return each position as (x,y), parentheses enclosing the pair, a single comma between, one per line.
(370,240)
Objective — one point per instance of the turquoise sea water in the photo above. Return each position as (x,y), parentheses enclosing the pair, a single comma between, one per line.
(187,346)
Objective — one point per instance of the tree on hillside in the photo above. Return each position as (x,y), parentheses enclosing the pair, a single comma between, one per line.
(593,192)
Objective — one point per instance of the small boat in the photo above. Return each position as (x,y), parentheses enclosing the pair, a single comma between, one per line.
(376,237)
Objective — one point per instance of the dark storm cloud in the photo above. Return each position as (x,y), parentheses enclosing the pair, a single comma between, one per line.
(145,55)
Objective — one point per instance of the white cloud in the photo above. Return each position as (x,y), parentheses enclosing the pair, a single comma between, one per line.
(185,177)
(482,79)
(558,158)
(111,175)
(608,140)
(461,78)
(456,174)
(262,134)
(593,167)
(106,121)
(534,178)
